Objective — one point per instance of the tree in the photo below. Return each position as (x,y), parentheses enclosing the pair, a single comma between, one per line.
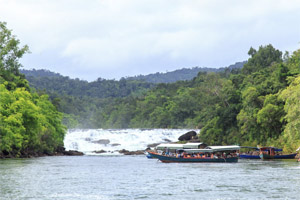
(10,53)
(291,96)
(264,57)
(29,123)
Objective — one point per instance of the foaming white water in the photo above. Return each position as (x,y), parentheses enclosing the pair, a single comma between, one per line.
(112,140)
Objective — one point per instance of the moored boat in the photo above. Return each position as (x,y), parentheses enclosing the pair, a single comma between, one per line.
(248,156)
(252,153)
(268,153)
(219,154)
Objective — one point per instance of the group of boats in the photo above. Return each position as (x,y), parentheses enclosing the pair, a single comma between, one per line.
(200,152)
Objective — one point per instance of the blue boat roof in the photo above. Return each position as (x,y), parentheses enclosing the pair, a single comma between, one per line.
(266,148)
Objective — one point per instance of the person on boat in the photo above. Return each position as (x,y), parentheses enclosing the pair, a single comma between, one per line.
(166,150)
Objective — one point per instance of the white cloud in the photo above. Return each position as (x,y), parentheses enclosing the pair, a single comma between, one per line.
(117,38)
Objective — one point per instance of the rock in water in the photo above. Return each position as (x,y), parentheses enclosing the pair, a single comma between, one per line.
(100,151)
(126,152)
(187,136)
(152,145)
(123,151)
(102,141)
(72,153)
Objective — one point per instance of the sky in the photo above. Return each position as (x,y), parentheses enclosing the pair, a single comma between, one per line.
(111,39)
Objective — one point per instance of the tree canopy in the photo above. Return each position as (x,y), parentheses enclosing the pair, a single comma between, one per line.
(29,123)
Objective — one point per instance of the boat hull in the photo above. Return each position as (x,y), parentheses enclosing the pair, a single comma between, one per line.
(245,156)
(268,157)
(149,156)
(172,159)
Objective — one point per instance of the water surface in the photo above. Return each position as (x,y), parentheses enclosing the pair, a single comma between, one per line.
(136,177)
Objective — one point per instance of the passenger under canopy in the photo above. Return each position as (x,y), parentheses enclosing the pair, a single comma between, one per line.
(270,148)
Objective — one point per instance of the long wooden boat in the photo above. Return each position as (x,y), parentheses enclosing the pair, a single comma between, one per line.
(268,153)
(216,154)
(253,153)
(174,159)
(285,156)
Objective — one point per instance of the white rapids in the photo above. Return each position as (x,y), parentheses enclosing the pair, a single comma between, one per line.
(112,140)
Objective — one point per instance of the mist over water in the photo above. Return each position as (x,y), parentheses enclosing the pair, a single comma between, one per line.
(112,140)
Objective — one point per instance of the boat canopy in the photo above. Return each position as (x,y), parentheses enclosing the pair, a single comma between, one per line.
(268,148)
(198,150)
(169,146)
(224,148)
(193,145)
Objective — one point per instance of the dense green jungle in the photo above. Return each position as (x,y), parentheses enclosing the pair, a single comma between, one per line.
(30,124)
(254,103)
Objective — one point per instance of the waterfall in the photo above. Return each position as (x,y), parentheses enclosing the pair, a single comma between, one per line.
(113,140)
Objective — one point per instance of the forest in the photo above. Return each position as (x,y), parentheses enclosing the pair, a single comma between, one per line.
(254,104)
(30,124)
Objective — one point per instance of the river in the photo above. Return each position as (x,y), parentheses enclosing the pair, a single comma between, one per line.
(117,177)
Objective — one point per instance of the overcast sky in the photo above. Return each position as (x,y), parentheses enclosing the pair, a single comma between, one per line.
(118,38)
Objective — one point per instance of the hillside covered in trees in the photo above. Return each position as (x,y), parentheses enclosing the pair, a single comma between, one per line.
(101,88)
(30,124)
(254,105)
(184,74)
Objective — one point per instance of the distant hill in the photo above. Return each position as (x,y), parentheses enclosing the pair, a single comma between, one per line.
(181,74)
(237,65)
(101,88)
(39,73)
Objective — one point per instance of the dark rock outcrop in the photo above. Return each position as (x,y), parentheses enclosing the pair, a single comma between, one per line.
(126,152)
(152,145)
(187,136)
(123,151)
(100,151)
(72,153)
(101,141)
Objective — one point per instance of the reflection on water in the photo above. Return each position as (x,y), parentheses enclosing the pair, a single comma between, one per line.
(136,177)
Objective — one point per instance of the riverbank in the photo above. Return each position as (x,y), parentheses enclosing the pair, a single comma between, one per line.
(60,152)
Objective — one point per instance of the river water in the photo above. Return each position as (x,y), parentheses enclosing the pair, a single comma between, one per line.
(117,177)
